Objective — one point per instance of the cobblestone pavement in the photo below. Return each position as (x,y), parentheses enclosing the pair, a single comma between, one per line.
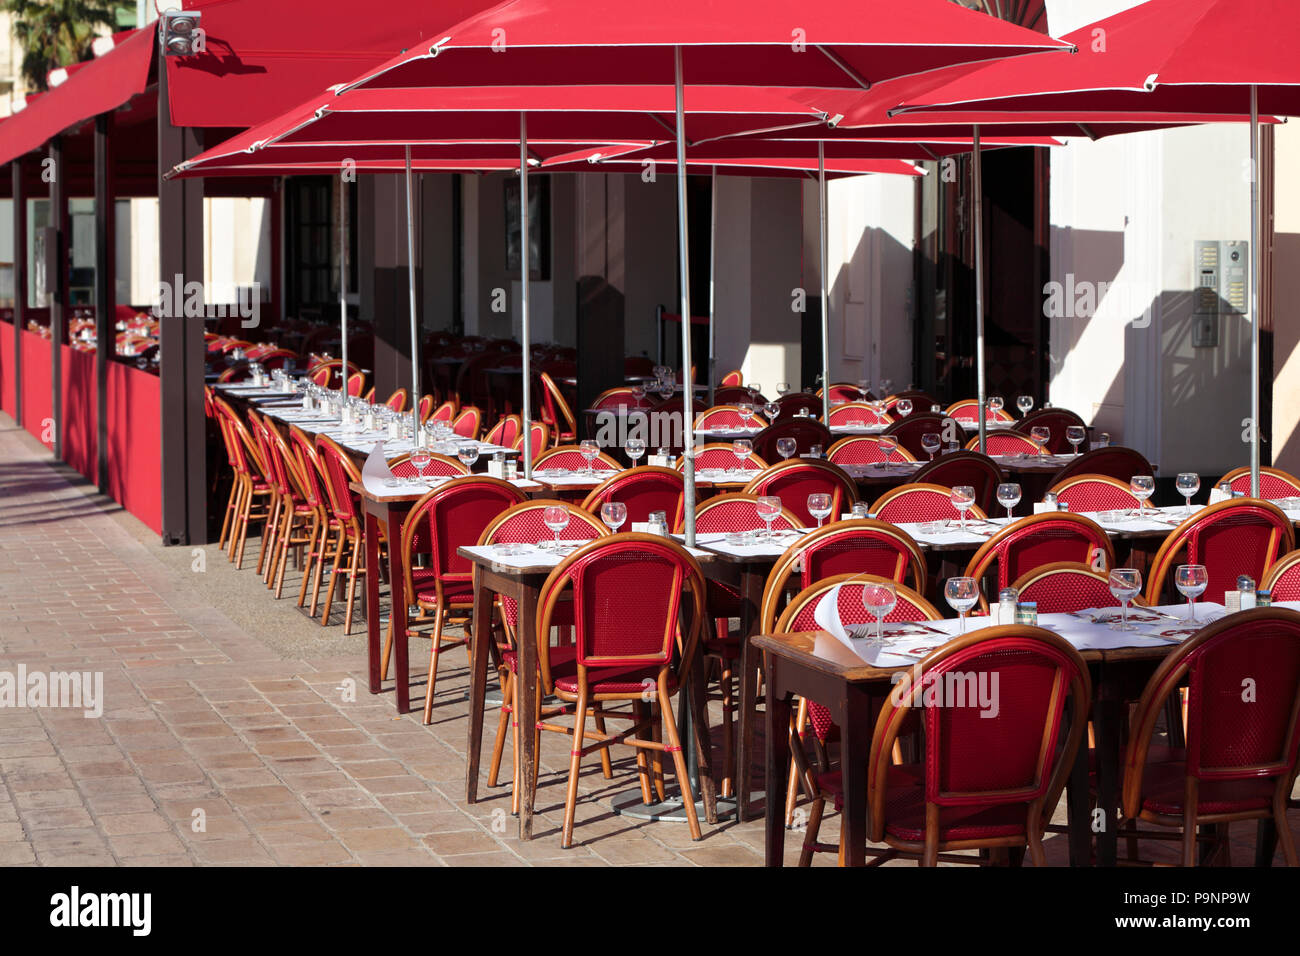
(227,735)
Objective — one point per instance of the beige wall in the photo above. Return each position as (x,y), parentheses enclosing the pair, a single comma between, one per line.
(1286,294)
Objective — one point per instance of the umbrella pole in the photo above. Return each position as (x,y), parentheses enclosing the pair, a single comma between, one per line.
(977,187)
(822,236)
(1255,250)
(343,278)
(683,247)
(415,333)
(525,329)
(713,279)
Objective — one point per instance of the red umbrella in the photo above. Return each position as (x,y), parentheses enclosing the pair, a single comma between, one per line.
(1175,56)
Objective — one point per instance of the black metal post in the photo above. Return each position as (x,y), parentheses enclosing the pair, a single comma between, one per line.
(105,286)
(20,282)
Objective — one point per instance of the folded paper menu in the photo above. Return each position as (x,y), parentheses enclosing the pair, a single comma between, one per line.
(375,472)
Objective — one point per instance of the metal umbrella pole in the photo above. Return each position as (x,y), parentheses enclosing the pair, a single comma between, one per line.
(713,281)
(343,279)
(410,273)
(688,390)
(1255,251)
(525,327)
(977,186)
(822,234)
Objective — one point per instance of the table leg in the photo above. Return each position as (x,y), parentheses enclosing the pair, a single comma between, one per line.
(480,640)
(528,694)
(855,744)
(1107,721)
(699,727)
(397,614)
(751,591)
(778,767)
(1077,807)
(373,639)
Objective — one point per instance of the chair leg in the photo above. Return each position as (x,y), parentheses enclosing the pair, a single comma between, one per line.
(438,615)
(268,532)
(321,558)
(1284,836)
(334,576)
(725,679)
(605,766)
(388,649)
(679,761)
(234,517)
(230,507)
(812,830)
(1036,853)
(284,558)
(352,586)
(575,766)
(657,760)
(499,744)
(241,516)
(641,710)
(312,532)
(796,747)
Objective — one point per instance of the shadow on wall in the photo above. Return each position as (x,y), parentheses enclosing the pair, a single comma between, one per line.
(876,281)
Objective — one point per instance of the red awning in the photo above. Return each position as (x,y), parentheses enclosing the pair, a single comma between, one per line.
(94,87)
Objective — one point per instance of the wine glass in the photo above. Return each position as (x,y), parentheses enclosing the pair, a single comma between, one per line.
(590,451)
(768,507)
(556,518)
(1125,583)
(635,449)
(1009,496)
(786,447)
(961,593)
(1188,483)
(962,498)
(886,387)
(879,598)
(421,459)
(1076,435)
(756,390)
(819,506)
(930,442)
(904,407)
(613,513)
(1191,580)
(864,387)
(887,445)
(1041,434)
(1142,486)
(1025,403)
(771,410)
(783,389)
(742,448)
(995,404)
(468,454)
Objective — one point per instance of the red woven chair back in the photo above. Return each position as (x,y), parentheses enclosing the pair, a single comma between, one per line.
(1065,586)
(623,396)
(863,450)
(800,613)
(444,412)
(720,455)
(504,432)
(806,432)
(1006,443)
(733,378)
(643,490)
(792,403)
(339,472)
(1114,460)
(918,502)
(454,516)
(426,408)
(275,470)
(541,437)
(555,409)
(736,512)
(858,413)
(733,395)
(968,411)
(910,430)
(844,392)
(468,422)
(1283,578)
(397,401)
(794,480)
(964,468)
(728,416)
(1095,493)
(1273,482)
(1039,540)
(439,466)
(1056,421)
(570,457)
(860,546)
(236,450)
(356,383)
(309,466)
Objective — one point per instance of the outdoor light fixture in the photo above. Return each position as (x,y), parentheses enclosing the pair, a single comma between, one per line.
(179,32)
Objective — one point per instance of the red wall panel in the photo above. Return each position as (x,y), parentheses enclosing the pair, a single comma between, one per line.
(8,399)
(135,442)
(38,397)
(80,419)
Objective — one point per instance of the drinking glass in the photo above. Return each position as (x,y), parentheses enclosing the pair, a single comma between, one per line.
(557,519)
(783,389)
(1009,496)
(887,445)
(768,507)
(1191,580)
(786,447)
(1189,483)
(468,454)
(742,448)
(819,506)
(995,404)
(930,442)
(421,459)
(864,387)
(1025,403)
(1076,435)
(613,513)
(879,598)
(1041,434)
(961,593)
(590,451)
(746,413)
(757,391)
(904,407)
(886,387)
(771,410)
(635,449)
(1125,583)
(1142,487)
(962,498)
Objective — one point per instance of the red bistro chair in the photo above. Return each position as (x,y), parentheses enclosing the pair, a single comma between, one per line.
(967,411)
(541,439)
(1239,536)
(1006,443)
(1114,460)
(910,430)
(1283,578)
(645,489)
(863,450)
(624,396)
(505,432)
(734,377)
(1038,540)
(324,524)
(356,383)
(1084,493)
(1240,759)
(340,472)
(920,501)
(254,488)
(439,466)
(468,422)
(857,413)
(446,412)
(398,400)
(426,408)
(1273,482)
(723,417)
(794,480)
(556,412)
(806,433)
(733,395)
(1056,421)
(794,402)
(1065,586)
(964,468)
(720,455)
(570,457)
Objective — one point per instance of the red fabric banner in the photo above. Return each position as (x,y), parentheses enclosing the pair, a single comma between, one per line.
(80,411)
(38,396)
(135,442)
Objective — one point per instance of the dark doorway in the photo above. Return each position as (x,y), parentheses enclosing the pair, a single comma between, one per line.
(311,245)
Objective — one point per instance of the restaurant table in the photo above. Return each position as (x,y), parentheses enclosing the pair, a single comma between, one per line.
(520,577)
(818,666)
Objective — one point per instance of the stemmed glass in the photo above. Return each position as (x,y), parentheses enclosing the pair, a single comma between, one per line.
(887,445)
(771,410)
(557,519)
(783,389)
(962,498)
(613,513)
(1125,583)
(930,442)
(904,407)
(590,451)
(635,449)
(1075,435)
(819,506)
(864,387)
(768,507)
(1041,434)
(1009,496)
(746,413)
(742,448)
(1191,581)
(879,598)
(995,404)
(421,459)
(961,593)
(756,391)
(1189,483)
(1142,486)
(786,447)
(1025,403)
(468,454)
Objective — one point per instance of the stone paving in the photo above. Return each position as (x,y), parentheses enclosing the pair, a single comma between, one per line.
(238,744)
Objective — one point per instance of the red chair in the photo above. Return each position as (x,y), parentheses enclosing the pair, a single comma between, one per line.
(645,489)
(254,486)
(1039,540)
(398,400)
(910,430)
(964,468)
(733,395)
(556,412)
(570,457)
(920,502)
(439,466)
(356,383)
(1056,421)
(1273,482)
(468,422)
(624,396)
(323,521)
(806,433)
(1065,586)
(426,408)
(505,432)
(735,511)
(725,417)
(982,781)
(1114,460)
(1084,493)
(967,411)
(628,591)
(863,450)
(340,472)
(1240,759)
(794,480)
(734,377)
(541,439)
(842,392)
(1231,538)
(795,402)
(1006,443)
(858,413)
(446,412)
(449,517)
(720,455)
(1283,578)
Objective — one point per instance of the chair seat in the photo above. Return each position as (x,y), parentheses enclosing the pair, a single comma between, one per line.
(1163,788)
(602,680)
(455,592)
